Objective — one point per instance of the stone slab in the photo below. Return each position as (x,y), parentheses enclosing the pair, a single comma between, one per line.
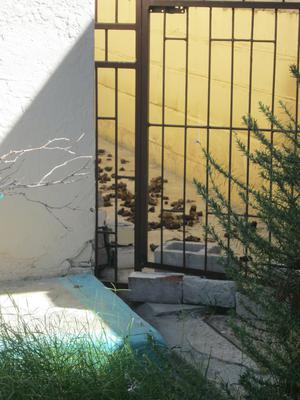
(208,292)
(155,287)
(246,308)
(160,309)
(202,346)
(222,324)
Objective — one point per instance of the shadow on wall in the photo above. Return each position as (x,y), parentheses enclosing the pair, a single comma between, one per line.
(45,231)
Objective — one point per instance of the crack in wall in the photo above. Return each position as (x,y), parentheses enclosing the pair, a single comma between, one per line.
(84,257)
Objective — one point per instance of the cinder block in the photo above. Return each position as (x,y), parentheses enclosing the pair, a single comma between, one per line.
(218,293)
(155,287)
(194,255)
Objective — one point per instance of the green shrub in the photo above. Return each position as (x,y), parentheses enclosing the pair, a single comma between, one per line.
(268,270)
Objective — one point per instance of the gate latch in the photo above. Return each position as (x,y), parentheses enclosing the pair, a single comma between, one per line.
(168,9)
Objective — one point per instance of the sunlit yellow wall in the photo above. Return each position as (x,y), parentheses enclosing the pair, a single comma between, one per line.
(121,48)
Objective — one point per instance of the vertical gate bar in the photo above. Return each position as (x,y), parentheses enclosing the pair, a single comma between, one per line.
(116,175)
(208,134)
(249,131)
(230,120)
(185,133)
(141,135)
(96,169)
(106,44)
(163,142)
(273,102)
(116,252)
(96,155)
(138,234)
(116,11)
(297,91)
(297,84)
(249,111)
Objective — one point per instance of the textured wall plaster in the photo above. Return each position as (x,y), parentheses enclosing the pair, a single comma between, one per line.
(46,86)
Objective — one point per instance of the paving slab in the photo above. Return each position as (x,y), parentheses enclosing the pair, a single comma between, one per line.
(246,308)
(158,310)
(222,324)
(199,343)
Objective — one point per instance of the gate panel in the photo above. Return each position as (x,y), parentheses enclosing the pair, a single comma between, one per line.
(173,78)
(116,64)
(206,65)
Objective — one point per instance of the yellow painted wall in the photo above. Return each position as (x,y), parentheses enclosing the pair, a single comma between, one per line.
(121,48)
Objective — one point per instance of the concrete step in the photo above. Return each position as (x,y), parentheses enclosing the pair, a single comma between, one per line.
(158,310)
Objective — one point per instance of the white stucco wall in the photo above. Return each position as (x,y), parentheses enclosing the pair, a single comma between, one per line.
(46,92)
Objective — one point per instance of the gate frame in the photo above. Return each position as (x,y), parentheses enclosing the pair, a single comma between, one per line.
(142,68)
(142,124)
(137,67)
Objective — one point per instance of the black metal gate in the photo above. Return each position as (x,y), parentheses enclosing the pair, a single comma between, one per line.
(198,67)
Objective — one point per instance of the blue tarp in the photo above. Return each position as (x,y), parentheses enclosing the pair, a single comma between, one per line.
(120,323)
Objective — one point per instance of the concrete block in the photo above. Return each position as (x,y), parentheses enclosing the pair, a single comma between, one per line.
(197,290)
(246,308)
(194,255)
(155,287)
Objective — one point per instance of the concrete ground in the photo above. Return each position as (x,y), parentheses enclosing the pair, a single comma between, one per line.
(173,190)
(201,338)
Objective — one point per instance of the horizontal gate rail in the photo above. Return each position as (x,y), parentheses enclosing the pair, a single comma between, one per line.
(115,26)
(224,4)
(113,64)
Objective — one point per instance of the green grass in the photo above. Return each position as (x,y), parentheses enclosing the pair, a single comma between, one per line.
(38,366)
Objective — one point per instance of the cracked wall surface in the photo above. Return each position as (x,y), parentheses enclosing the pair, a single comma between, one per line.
(47,84)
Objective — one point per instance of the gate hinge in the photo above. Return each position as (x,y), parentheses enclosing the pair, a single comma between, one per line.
(168,9)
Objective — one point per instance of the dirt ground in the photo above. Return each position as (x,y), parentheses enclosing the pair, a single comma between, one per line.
(172,199)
